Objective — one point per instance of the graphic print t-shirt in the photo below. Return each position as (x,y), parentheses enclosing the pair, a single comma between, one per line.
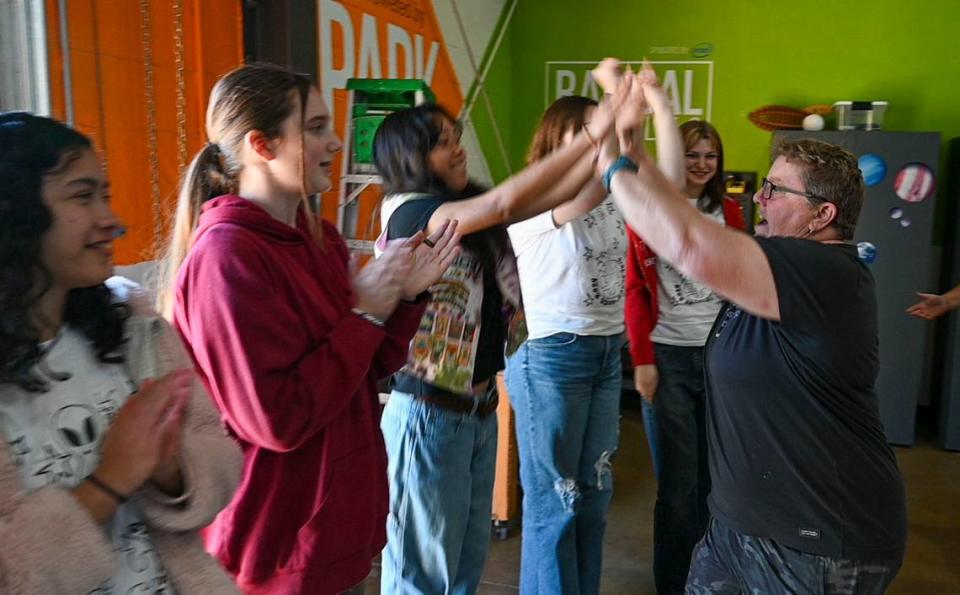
(572,277)
(464,273)
(55,438)
(687,308)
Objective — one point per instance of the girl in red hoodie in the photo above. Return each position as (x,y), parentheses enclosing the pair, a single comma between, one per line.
(289,341)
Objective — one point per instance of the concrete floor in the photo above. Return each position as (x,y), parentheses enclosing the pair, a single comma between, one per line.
(932,565)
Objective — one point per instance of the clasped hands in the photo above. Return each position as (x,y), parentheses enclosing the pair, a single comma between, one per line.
(630,98)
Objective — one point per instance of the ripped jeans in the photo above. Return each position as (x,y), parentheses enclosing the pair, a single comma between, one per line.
(565,392)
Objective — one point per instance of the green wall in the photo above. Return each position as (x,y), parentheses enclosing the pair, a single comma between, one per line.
(764,52)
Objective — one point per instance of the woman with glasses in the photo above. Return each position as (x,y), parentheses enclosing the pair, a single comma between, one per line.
(668,318)
(438,424)
(805,493)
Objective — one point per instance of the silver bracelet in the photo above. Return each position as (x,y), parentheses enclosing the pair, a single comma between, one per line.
(374,320)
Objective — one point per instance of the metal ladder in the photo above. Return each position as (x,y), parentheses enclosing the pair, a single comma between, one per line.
(369,101)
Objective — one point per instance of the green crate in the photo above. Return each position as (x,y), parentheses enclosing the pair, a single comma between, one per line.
(374,100)
(364,129)
(388,94)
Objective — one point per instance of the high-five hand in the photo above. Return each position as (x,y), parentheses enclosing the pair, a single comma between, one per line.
(653,93)
(607,74)
(631,120)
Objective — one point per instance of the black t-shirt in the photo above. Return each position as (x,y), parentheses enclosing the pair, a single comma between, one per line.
(414,216)
(797,449)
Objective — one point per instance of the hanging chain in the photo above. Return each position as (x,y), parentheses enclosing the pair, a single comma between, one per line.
(98,70)
(181,86)
(147,38)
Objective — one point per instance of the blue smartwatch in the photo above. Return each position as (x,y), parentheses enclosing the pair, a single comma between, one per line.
(622,162)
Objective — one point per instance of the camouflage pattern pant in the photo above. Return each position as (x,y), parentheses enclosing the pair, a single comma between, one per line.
(728,562)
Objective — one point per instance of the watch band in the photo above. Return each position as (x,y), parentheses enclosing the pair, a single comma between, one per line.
(622,162)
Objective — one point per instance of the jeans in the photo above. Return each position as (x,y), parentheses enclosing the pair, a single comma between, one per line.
(653,437)
(678,443)
(441,468)
(729,563)
(565,391)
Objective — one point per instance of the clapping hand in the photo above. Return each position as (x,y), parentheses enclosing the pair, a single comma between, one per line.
(145,435)
(432,257)
(379,285)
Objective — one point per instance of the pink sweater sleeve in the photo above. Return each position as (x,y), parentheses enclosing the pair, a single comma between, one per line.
(246,338)
(48,541)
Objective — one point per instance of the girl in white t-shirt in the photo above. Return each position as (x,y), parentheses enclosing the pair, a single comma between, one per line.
(565,380)
(111,457)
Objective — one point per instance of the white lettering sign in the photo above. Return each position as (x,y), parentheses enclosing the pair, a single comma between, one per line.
(688,84)
(406,57)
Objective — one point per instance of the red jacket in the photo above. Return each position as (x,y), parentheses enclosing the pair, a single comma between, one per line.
(266,315)
(641,309)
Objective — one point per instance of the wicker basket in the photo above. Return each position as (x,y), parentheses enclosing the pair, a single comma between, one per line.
(777,117)
(783,117)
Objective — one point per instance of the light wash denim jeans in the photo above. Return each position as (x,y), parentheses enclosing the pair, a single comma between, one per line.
(441,468)
(565,391)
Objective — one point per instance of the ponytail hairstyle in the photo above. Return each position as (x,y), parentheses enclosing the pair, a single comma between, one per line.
(32,147)
(692,132)
(249,97)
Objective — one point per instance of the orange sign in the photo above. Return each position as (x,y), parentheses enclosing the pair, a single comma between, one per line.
(379,39)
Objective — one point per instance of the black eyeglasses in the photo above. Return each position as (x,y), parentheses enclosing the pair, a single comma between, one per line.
(767,188)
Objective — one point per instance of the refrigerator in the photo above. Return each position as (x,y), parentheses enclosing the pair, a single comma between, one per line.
(895,237)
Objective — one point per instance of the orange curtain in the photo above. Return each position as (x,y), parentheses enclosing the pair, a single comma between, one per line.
(118,49)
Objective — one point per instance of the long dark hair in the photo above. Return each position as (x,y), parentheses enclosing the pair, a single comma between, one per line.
(249,97)
(693,131)
(30,148)
(401,152)
(402,147)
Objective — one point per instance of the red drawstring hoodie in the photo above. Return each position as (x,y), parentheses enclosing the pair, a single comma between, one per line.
(266,315)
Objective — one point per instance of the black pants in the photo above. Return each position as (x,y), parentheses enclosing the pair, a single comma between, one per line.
(728,562)
(679,447)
